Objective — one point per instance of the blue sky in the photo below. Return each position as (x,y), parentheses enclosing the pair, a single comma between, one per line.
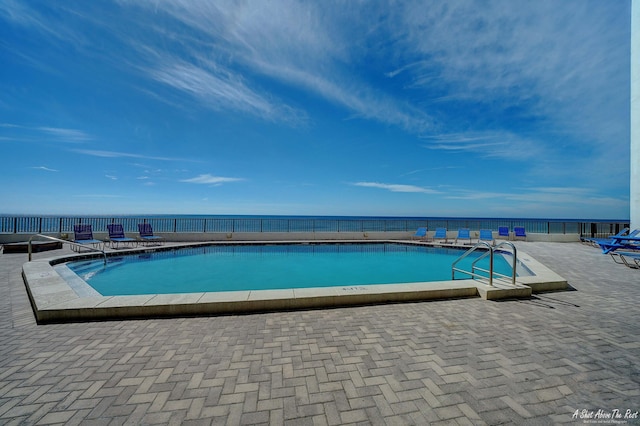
(413,108)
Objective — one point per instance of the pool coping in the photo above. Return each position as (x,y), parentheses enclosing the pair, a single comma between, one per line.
(54,299)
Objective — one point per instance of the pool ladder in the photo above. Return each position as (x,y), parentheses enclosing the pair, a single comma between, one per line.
(491,253)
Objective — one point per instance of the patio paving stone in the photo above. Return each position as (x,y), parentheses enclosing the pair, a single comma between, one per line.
(458,361)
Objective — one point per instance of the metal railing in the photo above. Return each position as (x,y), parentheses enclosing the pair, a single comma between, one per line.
(513,266)
(62,225)
(71,243)
(490,272)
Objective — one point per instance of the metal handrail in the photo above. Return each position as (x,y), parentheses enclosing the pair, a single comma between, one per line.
(104,254)
(513,267)
(491,253)
(467,253)
(515,259)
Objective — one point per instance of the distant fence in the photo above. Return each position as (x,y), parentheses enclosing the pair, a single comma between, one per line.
(60,225)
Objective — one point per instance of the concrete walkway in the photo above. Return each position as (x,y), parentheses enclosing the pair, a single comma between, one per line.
(469,361)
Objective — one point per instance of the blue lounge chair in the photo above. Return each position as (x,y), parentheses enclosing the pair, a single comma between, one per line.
(83,234)
(503,232)
(421,233)
(440,234)
(116,235)
(627,242)
(464,234)
(486,235)
(610,239)
(519,232)
(146,234)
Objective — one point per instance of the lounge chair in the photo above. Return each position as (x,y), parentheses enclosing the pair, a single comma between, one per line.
(632,260)
(421,233)
(627,242)
(610,239)
(440,234)
(486,235)
(503,232)
(519,232)
(146,234)
(116,235)
(464,234)
(83,234)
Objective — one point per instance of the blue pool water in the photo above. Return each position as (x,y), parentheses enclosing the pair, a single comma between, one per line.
(258,267)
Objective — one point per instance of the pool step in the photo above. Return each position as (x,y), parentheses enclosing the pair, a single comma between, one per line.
(503,291)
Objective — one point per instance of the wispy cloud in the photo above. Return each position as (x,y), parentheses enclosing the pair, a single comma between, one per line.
(359,99)
(487,144)
(518,56)
(207,179)
(287,43)
(66,134)
(98,196)
(44,133)
(22,13)
(220,90)
(46,169)
(116,154)
(542,196)
(396,187)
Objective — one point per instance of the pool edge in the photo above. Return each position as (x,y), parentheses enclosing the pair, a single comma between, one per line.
(53,300)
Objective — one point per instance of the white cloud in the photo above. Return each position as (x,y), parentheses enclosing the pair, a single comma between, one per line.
(300,45)
(549,197)
(220,90)
(46,169)
(116,154)
(396,187)
(71,135)
(98,196)
(208,179)
(550,62)
(44,133)
(489,144)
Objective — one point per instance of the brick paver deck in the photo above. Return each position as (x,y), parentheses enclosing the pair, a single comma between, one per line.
(468,361)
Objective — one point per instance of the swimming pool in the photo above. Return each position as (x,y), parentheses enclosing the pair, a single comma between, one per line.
(58,294)
(221,268)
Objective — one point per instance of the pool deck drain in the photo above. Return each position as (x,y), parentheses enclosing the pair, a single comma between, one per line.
(57,298)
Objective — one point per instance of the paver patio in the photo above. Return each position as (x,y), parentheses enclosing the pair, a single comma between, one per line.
(468,361)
